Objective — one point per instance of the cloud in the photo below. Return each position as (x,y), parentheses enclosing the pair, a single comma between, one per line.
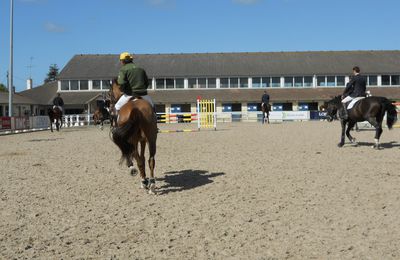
(53,28)
(246,2)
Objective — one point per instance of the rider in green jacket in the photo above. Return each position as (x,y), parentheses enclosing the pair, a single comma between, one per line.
(133,81)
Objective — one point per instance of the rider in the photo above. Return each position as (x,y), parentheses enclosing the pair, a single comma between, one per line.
(265,99)
(355,88)
(58,102)
(133,81)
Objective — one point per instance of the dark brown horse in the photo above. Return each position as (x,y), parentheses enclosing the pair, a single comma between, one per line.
(104,112)
(136,125)
(371,109)
(265,108)
(55,116)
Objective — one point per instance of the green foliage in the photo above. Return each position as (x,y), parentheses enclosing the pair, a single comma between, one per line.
(52,74)
(3,88)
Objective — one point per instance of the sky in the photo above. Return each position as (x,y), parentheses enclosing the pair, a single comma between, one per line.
(50,32)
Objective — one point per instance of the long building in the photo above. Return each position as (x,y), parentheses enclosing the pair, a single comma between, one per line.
(294,80)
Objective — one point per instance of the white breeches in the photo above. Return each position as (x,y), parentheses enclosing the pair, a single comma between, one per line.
(59,107)
(125,98)
(347,99)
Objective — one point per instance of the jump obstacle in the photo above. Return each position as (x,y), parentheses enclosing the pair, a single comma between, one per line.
(206,117)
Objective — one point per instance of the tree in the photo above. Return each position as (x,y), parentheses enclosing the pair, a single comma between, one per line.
(52,74)
(3,88)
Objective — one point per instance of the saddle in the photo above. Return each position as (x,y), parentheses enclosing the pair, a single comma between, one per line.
(351,104)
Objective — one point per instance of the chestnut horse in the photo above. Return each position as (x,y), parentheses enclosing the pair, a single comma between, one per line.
(136,124)
(55,116)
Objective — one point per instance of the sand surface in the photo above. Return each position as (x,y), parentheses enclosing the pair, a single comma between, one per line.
(246,191)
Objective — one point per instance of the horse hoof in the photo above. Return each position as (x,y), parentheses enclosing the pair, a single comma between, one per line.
(376,147)
(152,189)
(340,144)
(133,171)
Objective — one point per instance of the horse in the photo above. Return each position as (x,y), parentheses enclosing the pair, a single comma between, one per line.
(136,124)
(55,116)
(265,108)
(102,114)
(371,109)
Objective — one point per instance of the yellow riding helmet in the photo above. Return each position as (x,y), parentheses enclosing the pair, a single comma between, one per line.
(125,56)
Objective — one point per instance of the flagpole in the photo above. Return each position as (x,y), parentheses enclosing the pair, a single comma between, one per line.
(10,75)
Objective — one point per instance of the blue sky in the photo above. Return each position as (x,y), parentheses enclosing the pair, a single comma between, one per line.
(53,31)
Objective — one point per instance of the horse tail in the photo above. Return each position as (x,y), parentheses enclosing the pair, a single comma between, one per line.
(391,114)
(120,136)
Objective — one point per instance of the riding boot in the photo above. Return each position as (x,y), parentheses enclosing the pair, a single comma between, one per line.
(344,115)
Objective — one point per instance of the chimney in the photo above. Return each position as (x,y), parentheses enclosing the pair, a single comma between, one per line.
(29,83)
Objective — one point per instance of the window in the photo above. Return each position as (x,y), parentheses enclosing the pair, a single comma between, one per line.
(150,86)
(160,84)
(84,85)
(385,80)
(169,83)
(253,107)
(192,83)
(330,81)
(288,82)
(202,83)
(226,107)
(244,83)
(275,82)
(321,81)
(266,82)
(64,85)
(96,84)
(308,81)
(234,82)
(179,83)
(256,82)
(372,80)
(212,83)
(106,84)
(224,83)
(74,84)
(340,81)
(298,82)
(395,80)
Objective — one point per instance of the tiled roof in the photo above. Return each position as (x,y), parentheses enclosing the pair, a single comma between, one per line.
(42,95)
(237,64)
(17,99)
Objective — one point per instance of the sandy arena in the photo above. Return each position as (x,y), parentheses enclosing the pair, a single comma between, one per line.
(246,191)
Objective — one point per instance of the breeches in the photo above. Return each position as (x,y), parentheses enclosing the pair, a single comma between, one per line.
(125,98)
(347,99)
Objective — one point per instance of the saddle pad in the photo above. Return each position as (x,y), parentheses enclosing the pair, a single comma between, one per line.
(353,102)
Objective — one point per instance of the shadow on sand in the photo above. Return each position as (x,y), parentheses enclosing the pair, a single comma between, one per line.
(186,180)
(388,145)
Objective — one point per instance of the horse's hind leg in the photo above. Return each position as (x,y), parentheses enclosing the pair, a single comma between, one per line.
(378,130)
(139,157)
(349,127)
(152,164)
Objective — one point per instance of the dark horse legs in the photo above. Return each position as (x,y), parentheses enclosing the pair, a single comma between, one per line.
(350,126)
(377,123)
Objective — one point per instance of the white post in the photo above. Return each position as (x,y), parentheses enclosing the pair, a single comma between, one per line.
(10,75)
(198,114)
